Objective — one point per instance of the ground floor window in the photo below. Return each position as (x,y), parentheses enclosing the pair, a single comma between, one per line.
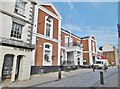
(47,52)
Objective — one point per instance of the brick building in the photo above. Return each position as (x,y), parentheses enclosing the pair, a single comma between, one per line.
(89,50)
(111,53)
(71,49)
(46,35)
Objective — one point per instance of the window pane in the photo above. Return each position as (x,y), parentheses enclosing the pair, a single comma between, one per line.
(16,30)
(48,26)
(20,7)
(47,46)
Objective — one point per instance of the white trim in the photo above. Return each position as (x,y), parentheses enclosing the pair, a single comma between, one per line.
(59,38)
(71,34)
(50,4)
(70,40)
(51,29)
(48,12)
(85,51)
(93,39)
(90,52)
(89,38)
(93,47)
(34,31)
(45,37)
(62,47)
(51,50)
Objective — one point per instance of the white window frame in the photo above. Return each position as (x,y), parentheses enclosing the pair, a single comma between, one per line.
(93,44)
(47,63)
(16,25)
(51,29)
(20,6)
(70,40)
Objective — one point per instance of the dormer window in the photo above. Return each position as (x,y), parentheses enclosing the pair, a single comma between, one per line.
(48,26)
(20,7)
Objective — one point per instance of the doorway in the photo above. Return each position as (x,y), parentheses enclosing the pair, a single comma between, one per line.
(78,62)
(19,57)
(7,66)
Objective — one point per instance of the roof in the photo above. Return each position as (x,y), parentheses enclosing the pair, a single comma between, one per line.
(88,37)
(50,4)
(69,33)
(101,57)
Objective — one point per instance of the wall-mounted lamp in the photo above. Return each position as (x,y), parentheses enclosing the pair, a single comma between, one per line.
(49,18)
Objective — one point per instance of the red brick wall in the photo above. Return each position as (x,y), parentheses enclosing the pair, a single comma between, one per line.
(40,44)
(63,34)
(86,57)
(41,24)
(40,50)
(49,8)
(85,45)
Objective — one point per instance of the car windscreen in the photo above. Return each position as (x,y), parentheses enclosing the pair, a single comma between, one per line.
(98,62)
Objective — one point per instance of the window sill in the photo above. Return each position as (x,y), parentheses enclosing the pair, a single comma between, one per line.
(47,61)
(19,14)
(12,38)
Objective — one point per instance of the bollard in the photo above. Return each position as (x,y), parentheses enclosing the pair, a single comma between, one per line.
(59,73)
(101,78)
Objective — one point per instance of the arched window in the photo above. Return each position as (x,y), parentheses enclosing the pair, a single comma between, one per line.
(47,52)
(48,26)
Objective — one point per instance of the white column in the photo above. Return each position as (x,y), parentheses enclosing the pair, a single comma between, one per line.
(14,69)
(34,33)
(75,58)
(81,57)
(59,43)
(66,57)
(90,52)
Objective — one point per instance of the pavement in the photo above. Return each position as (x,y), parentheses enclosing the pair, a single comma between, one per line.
(111,79)
(40,79)
(75,78)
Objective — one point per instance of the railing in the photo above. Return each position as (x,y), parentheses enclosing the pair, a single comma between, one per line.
(68,63)
(72,44)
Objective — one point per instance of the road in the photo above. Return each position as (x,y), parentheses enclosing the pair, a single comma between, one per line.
(86,80)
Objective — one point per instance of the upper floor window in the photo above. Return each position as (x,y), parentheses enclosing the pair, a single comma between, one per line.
(48,26)
(20,7)
(16,31)
(68,41)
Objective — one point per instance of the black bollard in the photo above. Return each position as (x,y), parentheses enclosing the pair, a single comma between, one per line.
(59,73)
(101,78)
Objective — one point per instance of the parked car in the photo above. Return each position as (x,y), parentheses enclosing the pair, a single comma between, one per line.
(99,63)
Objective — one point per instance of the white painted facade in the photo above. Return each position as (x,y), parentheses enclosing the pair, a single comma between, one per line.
(13,46)
(73,54)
